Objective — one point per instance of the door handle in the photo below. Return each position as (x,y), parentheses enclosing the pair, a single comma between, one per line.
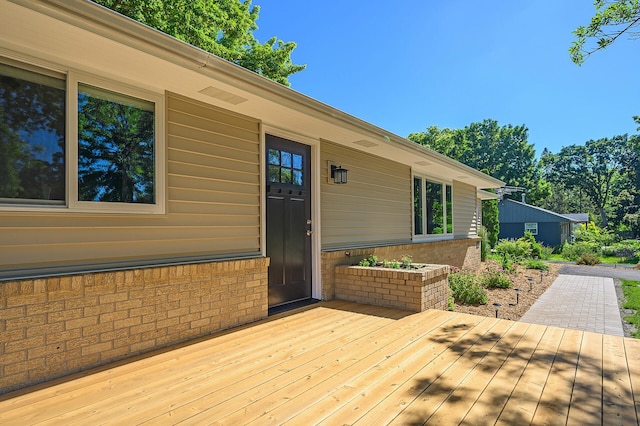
(309,232)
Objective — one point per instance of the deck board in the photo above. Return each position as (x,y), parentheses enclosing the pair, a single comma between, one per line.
(586,398)
(553,406)
(343,363)
(497,393)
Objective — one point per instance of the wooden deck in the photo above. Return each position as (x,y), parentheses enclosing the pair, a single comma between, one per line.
(340,363)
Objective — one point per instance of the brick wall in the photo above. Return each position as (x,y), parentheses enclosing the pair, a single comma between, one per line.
(416,290)
(55,326)
(461,253)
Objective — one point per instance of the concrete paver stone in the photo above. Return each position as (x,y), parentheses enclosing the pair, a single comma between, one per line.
(578,302)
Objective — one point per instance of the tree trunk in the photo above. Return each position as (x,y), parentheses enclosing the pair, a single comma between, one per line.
(603,215)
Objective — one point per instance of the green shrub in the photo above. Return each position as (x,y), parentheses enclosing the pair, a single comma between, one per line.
(484,243)
(507,264)
(495,279)
(626,248)
(591,233)
(546,252)
(574,251)
(465,289)
(536,264)
(450,303)
(518,249)
(587,259)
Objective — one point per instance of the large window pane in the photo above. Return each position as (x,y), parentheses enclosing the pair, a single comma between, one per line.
(32,136)
(116,139)
(435,208)
(449,200)
(417,206)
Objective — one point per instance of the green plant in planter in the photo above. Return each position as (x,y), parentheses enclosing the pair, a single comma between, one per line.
(406,261)
(393,264)
(372,260)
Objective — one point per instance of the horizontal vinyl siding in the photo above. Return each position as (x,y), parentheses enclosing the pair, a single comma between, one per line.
(213,204)
(465,213)
(373,207)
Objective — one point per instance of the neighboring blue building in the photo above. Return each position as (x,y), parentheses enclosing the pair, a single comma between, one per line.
(549,228)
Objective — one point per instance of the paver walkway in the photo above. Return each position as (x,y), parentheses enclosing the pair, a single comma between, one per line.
(580,303)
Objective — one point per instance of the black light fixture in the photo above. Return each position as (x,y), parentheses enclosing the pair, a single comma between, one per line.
(338,174)
(497,307)
(530,283)
(517,297)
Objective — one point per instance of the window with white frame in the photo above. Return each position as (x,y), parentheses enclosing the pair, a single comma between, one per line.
(78,141)
(432,207)
(531,227)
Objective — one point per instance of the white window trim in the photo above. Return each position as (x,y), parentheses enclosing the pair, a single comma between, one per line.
(527,225)
(425,236)
(71,204)
(74,78)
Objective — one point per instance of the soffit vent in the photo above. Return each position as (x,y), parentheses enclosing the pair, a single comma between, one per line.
(365,143)
(223,95)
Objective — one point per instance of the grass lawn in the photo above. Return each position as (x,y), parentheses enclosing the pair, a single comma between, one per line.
(631,291)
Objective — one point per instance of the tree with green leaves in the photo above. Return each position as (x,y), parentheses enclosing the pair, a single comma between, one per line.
(222,27)
(490,221)
(501,151)
(611,20)
(589,168)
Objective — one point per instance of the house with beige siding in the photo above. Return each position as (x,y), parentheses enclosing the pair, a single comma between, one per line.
(151,193)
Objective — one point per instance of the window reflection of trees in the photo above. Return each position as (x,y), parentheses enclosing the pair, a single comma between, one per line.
(115,147)
(285,167)
(32,135)
(435,208)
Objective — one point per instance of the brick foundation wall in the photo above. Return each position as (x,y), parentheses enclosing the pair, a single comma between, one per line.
(52,327)
(416,290)
(461,253)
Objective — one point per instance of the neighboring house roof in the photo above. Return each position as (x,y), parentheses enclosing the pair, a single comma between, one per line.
(577,217)
(511,211)
(85,33)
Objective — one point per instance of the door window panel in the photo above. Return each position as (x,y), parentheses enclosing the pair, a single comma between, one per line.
(285,167)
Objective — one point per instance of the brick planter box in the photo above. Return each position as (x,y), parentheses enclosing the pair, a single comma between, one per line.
(413,290)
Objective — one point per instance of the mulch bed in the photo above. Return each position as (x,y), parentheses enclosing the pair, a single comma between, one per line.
(507,297)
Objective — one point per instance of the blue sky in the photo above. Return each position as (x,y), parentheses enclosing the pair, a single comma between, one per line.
(407,65)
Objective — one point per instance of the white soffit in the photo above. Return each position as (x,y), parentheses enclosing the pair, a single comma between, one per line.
(365,143)
(223,95)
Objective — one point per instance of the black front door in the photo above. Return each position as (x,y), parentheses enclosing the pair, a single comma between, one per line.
(288,220)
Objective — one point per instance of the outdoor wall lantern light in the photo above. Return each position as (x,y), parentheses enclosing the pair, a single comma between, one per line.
(338,174)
